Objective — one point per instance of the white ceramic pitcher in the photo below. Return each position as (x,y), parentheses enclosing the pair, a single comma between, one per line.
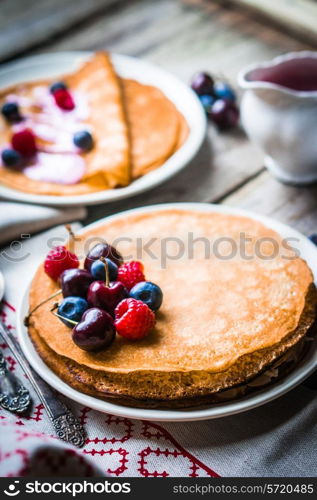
(279,113)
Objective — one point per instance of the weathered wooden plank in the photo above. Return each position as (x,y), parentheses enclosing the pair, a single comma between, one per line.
(184,38)
(133,28)
(207,178)
(297,16)
(296,206)
(226,43)
(213,39)
(26,23)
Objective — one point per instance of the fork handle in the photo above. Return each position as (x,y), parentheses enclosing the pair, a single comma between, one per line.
(14,396)
(67,426)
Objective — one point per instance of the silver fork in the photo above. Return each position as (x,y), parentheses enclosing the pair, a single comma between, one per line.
(67,426)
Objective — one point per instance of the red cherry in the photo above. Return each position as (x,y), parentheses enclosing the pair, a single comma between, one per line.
(64,99)
(106,297)
(202,83)
(95,331)
(224,113)
(24,142)
(75,282)
(103,250)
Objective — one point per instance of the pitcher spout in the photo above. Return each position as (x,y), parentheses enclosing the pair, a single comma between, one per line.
(294,74)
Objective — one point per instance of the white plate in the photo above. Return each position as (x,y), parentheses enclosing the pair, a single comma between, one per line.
(307,250)
(1,286)
(53,65)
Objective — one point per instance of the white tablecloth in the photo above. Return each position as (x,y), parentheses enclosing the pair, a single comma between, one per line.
(278,439)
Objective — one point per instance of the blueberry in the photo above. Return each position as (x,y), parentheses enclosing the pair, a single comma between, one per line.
(11,158)
(223,91)
(83,140)
(57,86)
(72,308)
(149,293)
(11,112)
(313,238)
(98,270)
(207,101)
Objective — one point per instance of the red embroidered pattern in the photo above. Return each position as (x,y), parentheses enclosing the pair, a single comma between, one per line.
(118,446)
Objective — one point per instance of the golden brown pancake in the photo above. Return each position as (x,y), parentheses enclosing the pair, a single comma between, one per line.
(108,164)
(157,129)
(223,320)
(182,136)
(97,80)
(183,131)
(135,129)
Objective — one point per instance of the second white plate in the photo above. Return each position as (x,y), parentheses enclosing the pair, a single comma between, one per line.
(53,65)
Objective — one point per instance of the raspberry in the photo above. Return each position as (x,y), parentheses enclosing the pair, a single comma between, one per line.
(131,273)
(24,142)
(133,319)
(58,260)
(64,99)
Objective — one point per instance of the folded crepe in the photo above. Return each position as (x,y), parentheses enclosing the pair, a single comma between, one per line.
(157,129)
(110,157)
(108,163)
(135,128)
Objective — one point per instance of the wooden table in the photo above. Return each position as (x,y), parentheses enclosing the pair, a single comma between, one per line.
(182,37)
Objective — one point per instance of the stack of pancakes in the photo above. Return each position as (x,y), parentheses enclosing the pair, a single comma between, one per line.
(226,317)
(135,127)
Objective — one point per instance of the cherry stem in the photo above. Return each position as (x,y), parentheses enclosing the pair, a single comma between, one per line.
(27,318)
(107,280)
(72,237)
(62,317)
(71,233)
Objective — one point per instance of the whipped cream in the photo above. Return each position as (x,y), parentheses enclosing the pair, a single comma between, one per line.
(59,161)
(56,168)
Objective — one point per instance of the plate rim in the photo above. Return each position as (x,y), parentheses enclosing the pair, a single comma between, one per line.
(263,396)
(177,162)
